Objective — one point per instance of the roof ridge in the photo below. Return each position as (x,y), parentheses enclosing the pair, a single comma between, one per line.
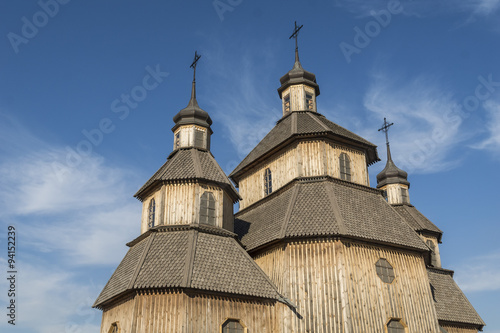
(289,210)
(225,175)
(320,122)
(294,123)
(191,252)
(336,210)
(414,217)
(268,279)
(197,165)
(140,262)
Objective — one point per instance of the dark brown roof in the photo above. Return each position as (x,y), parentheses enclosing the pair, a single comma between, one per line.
(324,207)
(200,258)
(451,303)
(191,163)
(303,123)
(416,220)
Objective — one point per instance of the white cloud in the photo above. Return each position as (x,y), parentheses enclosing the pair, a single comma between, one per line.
(480,273)
(426,126)
(493,127)
(51,299)
(69,224)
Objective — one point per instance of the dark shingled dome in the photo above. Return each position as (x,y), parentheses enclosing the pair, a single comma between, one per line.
(391,173)
(298,75)
(192,113)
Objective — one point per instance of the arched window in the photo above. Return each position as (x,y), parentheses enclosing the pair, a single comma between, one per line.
(268,182)
(395,326)
(232,326)
(151,213)
(433,252)
(345,167)
(113,328)
(207,208)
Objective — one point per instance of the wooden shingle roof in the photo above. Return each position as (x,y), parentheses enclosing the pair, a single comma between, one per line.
(324,206)
(451,303)
(202,258)
(416,219)
(189,164)
(303,123)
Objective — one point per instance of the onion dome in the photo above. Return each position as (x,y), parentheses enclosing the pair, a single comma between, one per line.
(298,75)
(192,113)
(391,173)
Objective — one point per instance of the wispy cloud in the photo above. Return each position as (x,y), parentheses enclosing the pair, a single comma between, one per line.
(425,132)
(475,8)
(69,226)
(492,143)
(480,273)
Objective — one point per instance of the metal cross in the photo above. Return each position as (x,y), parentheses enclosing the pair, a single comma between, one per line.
(296,34)
(385,129)
(193,65)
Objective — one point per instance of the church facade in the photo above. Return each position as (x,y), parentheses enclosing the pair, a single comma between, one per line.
(313,248)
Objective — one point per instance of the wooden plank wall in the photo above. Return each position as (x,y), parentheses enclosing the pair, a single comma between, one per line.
(306,159)
(174,312)
(180,204)
(336,288)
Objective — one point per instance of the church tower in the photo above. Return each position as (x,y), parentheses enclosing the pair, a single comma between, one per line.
(186,272)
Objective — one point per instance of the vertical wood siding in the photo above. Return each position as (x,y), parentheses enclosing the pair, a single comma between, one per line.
(305,159)
(174,312)
(336,287)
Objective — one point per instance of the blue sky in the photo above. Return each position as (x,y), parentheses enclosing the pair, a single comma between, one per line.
(73,150)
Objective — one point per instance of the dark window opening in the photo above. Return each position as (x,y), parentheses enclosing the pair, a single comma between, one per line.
(309,102)
(207,208)
(177,140)
(384,193)
(268,182)
(287,103)
(151,213)
(404,195)
(395,326)
(232,326)
(345,167)
(384,270)
(198,139)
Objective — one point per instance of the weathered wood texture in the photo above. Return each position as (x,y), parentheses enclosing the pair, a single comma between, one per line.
(457,329)
(394,196)
(336,288)
(298,98)
(188,134)
(180,204)
(434,240)
(175,312)
(304,159)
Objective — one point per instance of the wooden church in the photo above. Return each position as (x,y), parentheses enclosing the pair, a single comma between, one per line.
(313,247)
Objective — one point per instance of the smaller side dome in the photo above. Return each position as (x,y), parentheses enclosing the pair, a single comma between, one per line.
(192,114)
(391,173)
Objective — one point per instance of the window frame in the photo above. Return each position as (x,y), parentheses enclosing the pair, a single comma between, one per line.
(404,195)
(268,182)
(208,209)
(286,103)
(199,138)
(245,329)
(151,213)
(388,270)
(177,142)
(113,326)
(345,172)
(399,320)
(309,101)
